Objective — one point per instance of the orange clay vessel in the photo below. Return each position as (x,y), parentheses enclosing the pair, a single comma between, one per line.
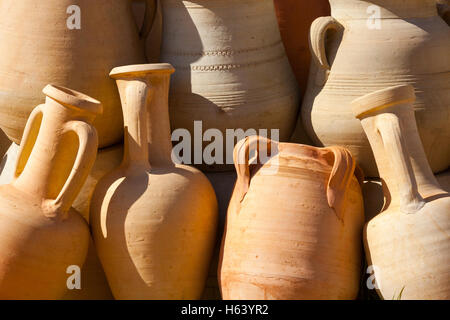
(74,43)
(294,224)
(153,222)
(40,234)
(408,243)
(366,46)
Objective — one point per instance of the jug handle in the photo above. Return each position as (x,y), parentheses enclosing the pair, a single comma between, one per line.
(341,175)
(389,127)
(28,139)
(241,158)
(86,155)
(317,33)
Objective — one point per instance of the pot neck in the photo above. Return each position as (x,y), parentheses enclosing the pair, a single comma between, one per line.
(388,9)
(146,119)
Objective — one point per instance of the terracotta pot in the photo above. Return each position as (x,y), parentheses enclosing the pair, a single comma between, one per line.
(77,58)
(444,180)
(227,78)
(408,242)
(57,152)
(353,58)
(294,19)
(301,241)
(153,222)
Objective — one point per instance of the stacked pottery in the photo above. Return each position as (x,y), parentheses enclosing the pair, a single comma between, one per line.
(227,78)
(295,18)
(153,221)
(407,243)
(294,224)
(95,35)
(357,52)
(41,235)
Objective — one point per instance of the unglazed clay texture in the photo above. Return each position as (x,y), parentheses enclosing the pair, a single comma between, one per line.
(154,222)
(232,69)
(353,57)
(294,19)
(38,45)
(293,233)
(4,143)
(41,236)
(408,243)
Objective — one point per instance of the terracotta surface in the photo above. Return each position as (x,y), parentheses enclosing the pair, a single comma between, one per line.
(37,47)
(41,235)
(93,280)
(223,184)
(444,180)
(153,222)
(294,19)
(294,228)
(411,47)
(232,70)
(408,242)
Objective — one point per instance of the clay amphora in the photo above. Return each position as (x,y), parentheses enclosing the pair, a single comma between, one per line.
(93,281)
(228,78)
(42,43)
(41,235)
(153,222)
(371,45)
(408,242)
(294,19)
(294,231)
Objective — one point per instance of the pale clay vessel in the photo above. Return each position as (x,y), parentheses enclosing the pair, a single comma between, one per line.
(411,46)
(37,47)
(93,281)
(41,235)
(232,69)
(153,222)
(408,242)
(294,224)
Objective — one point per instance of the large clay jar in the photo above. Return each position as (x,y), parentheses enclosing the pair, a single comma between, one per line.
(408,243)
(42,43)
(41,235)
(294,224)
(371,45)
(294,19)
(232,69)
(153,222)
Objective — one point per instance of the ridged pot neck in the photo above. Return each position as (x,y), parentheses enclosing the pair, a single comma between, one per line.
(389,9)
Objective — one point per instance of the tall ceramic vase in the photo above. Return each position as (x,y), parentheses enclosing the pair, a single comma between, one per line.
(408,242)
(232,70)
(294,19)
(294,224)
(370,45)
(41,235)
(74,43)
(154,222)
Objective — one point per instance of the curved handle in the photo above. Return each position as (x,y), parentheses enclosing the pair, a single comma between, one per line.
(390,129)
(87,153)
(241,157)
(339,181)
(317,34)
(28,139)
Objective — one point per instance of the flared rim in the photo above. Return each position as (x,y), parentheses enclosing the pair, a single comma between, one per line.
(73,98)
